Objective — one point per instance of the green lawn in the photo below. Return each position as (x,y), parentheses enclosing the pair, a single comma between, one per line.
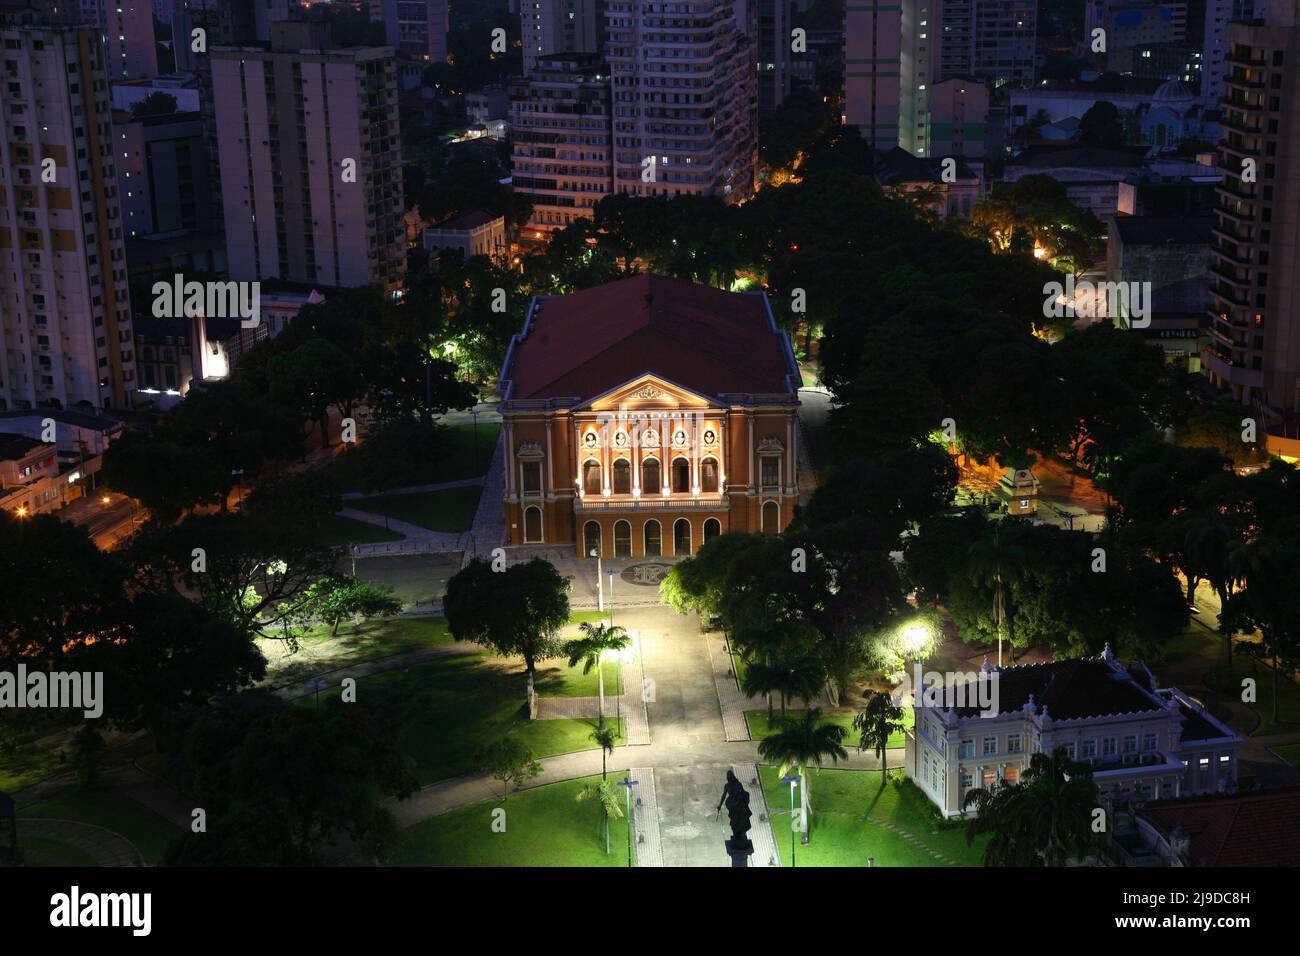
(451,510)
(367,641)
(1288,752)
(336,531)
(456,462)
(849,810)
(544,826)
(109,809)
(458,704)
(559,680)
(1244,666)
(28,765)
(759,728)
(41,852)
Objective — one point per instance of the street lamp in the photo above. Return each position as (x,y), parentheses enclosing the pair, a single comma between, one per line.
(600,593)
(474,412)
(628,782)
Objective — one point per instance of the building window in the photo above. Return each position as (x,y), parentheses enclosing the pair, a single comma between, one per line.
(1070,749)
(712,528)
(591,539)
(771,517)
(1148,741)
(532,525)
(532,471)
(966,749)
(990,779)
(1011,775)
(709,475)
(591,477)
(622,539)
(1088,749)
(1130,745)
(681,536)
(964,780)
(622,477)
(1013,743)
(651,481)
(990,746)
(652,534)
(770,471)
(1108,747)
(681,476)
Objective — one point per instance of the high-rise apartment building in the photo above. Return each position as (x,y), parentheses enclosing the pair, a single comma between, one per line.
(873,43)
(1255,317)
(127,29)
(991,40)
(1214,39)
(310,160)
(774,52)
(65,316)
(560,128)
(560,26)
(918,67)
(417,28)
(685,96)
(163,171)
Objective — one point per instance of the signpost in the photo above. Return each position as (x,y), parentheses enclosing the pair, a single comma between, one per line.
(628,782)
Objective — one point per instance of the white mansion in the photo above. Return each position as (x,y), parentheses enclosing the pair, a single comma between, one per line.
(1141,740)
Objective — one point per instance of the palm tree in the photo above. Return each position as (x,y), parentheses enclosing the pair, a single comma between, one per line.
(604,738)
(606,794)
(794,675)
(877,722)
(1040,820)
(596,640)
(997,561)
(803,741)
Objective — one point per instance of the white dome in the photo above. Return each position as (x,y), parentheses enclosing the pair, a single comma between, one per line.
(1174,95)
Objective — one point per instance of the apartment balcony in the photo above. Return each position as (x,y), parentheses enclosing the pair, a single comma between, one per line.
(1225,368)
(678,502)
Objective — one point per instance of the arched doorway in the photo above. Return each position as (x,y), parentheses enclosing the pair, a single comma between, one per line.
(651,480)
(712,528)
(622,539)
(681,536)
(681,476)
(622,477)
(709,476)
(532,525)
(653,542)
(591,479)
(771,517)
(591,538)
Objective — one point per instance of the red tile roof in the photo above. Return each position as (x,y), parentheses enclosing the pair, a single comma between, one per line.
(707,340)
(1249,829)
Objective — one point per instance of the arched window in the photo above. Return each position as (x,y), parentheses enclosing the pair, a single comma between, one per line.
(622,539)
(681,536)
(591,476)
(532,525)
(651,481)
(709,475)
(622,477)
(712,528)
(590,538)
(681,476)
(653,545)
(771,517)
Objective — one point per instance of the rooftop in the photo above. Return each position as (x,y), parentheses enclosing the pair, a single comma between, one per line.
(1069,689)
(66,417)
(897,165)
(470,219)
(1165,230)
(710,341)
(14,447)
(1245,829)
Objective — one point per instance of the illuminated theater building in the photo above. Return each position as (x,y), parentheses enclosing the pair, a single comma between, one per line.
(646,416)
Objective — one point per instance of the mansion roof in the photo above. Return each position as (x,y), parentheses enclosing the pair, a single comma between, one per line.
(713,342)
(1247,829)
(1069,689)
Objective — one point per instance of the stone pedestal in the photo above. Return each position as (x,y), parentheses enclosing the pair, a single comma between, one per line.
(740,850)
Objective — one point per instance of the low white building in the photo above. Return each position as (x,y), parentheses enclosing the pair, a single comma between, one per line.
(1140,740)
(473,233)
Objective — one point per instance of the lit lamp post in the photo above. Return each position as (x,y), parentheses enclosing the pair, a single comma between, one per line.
(628,782)
(600,593)
(474,412)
